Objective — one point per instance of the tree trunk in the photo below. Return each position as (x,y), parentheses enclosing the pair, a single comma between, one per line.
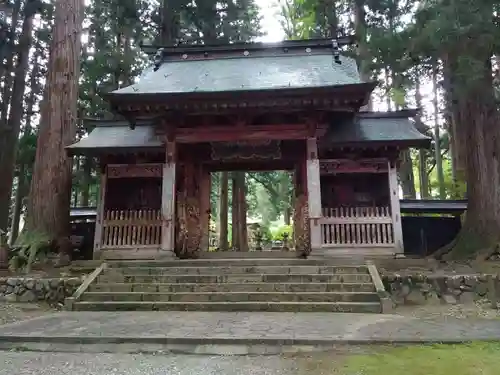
(406,176)
(86,181)
(288,214)
(284,196)
(363,51)
(235,241)
(23,182)
(223,211)
(422,153)
(476,118)
(456,138)
(9,137)
(437,136)
(18,203)
(6,69)
(388,85)
(169,23)
(48,212)
(242,212)
(75,187)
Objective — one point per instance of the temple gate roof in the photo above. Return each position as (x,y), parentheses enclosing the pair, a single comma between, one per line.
(367,128)
(238,72)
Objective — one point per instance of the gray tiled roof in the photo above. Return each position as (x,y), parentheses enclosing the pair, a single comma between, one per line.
(117,137)
(246,73)
(384,130)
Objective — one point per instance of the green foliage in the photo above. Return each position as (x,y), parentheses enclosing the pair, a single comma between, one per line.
(29,247)
(463,359)
(272,193)
(279,233)
(266,233)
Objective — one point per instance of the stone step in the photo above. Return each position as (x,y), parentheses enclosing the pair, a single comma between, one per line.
(353,307)
(227,270)
(231,297)
(290,254)
(232,287)
(242,262)
(235,278)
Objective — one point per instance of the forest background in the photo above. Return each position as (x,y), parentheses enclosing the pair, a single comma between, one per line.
(437,55)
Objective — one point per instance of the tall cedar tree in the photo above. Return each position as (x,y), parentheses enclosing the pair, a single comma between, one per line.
(9,139)
(48,212)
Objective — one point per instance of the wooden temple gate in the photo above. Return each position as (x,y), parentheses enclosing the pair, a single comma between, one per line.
(149,209)
(245,117)
(195,162)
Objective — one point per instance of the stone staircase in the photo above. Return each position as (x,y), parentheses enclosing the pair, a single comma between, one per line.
(293,285)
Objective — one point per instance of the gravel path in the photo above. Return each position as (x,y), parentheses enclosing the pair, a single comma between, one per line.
(29,363)
(296,327)
(15,312)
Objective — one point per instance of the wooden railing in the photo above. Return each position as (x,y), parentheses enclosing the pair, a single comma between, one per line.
(131,228)
(357,226)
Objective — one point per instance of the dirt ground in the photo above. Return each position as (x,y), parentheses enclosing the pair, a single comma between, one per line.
(48,271)
(432,266)
(15,312)
(480,309)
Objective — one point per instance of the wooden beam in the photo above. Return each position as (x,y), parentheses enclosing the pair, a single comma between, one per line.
(168,201)
(140,170)
(365,165)
(244,133)
(252,166)
(314,192)
(395,208)
(100,215)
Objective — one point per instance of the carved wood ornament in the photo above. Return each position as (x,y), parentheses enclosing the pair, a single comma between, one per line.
(246,150)
(334,166)
(134,170)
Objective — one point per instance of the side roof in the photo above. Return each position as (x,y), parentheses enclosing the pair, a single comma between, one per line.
(116,136)
(367,128)
(377,128)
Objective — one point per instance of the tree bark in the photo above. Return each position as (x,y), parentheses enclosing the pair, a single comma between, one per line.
(51,183)
(235,234)
(86,181)
(406,176)
(18,203)
(10,134)
(169,28)
(23,182)
(363,51)
(476,123)
(6,69)
(456,137)
(437,135)
(242,212)
(422,153)
(223,211)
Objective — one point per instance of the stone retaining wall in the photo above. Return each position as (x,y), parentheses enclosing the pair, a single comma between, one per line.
(422,289)
(54,290)
(414,289)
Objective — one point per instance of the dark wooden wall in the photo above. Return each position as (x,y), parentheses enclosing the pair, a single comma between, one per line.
(133,193)
(355,190)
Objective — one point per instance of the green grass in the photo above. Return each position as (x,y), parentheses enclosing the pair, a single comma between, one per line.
(465,359)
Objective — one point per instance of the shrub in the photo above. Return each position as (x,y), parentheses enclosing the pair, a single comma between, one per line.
(278,234)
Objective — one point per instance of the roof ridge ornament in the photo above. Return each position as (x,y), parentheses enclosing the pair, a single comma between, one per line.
(158,59)
(336,51)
